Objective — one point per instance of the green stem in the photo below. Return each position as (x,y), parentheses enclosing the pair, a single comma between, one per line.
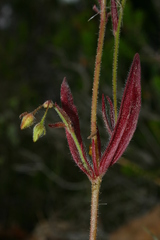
(44,116)
(94,208)
(97,67)
(115,57)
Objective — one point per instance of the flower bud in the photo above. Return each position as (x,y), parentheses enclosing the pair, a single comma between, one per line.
(28,120)
(48,104)
(38,131)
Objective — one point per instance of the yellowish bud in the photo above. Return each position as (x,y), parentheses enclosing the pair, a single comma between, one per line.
(48,104)
(38,131)
(27,120)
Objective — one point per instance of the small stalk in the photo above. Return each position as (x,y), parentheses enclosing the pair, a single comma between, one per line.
(94,208)
(115,58)
(37,109)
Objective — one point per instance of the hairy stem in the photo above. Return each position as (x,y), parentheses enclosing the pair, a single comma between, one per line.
(97,67)
(115,57)
(96,183)
(94,208)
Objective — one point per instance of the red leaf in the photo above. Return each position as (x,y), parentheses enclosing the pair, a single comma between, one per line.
(127,119)
(70,108)
(71,111)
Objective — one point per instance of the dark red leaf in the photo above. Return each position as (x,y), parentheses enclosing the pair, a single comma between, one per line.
(71,111)
(127,119)
(70,108)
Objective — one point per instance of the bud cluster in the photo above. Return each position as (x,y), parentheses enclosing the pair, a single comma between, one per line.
(28,119)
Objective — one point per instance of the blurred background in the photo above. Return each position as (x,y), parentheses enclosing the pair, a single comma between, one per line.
(43,195)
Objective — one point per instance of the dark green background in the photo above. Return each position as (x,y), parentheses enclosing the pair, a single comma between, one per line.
(41,41)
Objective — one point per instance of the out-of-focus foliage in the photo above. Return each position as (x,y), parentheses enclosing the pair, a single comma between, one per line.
(41,41)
